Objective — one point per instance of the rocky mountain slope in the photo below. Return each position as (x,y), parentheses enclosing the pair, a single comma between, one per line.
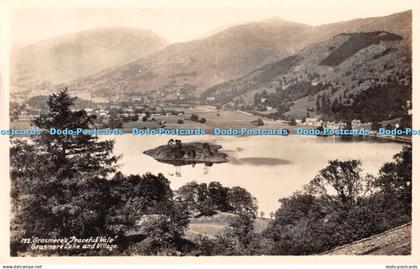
(230,54)
(65,58)
(236,63)
(325,78)
(196,65)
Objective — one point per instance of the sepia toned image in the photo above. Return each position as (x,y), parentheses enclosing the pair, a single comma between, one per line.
(210,132)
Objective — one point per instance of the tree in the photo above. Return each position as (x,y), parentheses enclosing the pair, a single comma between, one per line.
(28,166)
(342,184)
(61,187)
(335,106)
(293,231)
(135,117)
(71,154)
(58,181)
(406,122)
(395,181)
(150,199)
(375,126)
(340,206)
(115,122)
(218,196)
(196,197)
(243,228)
(194,117)
(206,199)
(292,122)
(242,202)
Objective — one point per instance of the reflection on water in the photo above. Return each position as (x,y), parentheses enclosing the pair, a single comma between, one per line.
(258,161)
(270,167)
(178,165)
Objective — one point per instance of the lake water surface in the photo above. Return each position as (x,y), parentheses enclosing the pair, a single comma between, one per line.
(269,167)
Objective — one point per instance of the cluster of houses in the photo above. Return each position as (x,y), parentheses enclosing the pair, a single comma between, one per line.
(146,109)
(315,122)
(27,114)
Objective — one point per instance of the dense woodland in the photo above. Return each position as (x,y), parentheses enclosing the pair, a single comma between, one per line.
(70,186)
(378,103)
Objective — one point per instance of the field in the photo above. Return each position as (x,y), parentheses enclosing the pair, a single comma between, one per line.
(214,119)
(212,226)
(20,125)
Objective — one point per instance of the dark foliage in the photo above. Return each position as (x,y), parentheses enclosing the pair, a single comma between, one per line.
(356,42)
(340,206)
(206,199)
(61,187)
(226,91)
(381,102)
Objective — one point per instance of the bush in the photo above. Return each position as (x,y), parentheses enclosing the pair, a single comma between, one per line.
(194,117)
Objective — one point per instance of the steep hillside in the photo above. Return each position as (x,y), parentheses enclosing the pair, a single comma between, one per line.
(199,64)
(396,241)
(195,66)
(226,91)
(326,77)
(397,23)
(228,55)
(65,58)
(355,43)
(350,64)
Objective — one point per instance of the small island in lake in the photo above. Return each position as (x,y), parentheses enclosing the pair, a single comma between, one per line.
(178,153)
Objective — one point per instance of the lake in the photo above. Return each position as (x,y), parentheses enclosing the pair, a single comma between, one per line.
(269,167)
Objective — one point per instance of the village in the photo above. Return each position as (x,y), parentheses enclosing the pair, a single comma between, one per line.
(147,113)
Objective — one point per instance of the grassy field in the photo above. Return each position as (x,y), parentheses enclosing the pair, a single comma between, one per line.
(214,119)
(222,119)
(20,125)
(212,226)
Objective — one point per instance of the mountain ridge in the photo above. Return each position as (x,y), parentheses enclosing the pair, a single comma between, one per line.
(63,58)
(327,79)
(197,65)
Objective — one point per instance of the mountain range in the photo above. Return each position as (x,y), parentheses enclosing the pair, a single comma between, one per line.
(324,76)
(62,59)
(229,54)
(292,65)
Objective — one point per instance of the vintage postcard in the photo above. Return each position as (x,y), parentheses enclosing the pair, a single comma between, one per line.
(255,131)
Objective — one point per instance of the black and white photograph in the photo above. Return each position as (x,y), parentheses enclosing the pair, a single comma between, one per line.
(201,132)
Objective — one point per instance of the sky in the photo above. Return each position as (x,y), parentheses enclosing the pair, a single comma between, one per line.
(174,24)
